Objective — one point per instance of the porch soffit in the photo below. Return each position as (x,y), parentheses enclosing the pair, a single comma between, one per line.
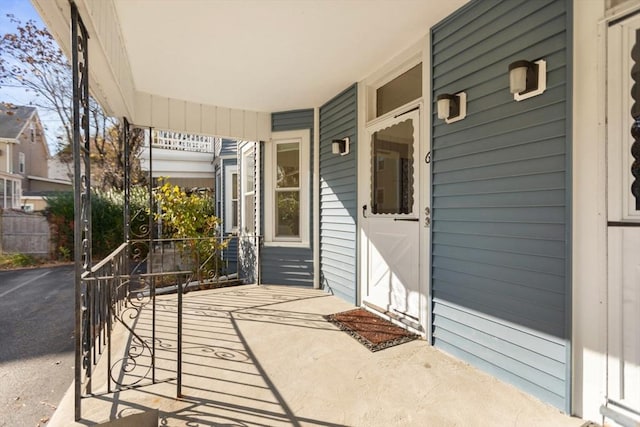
(266,55)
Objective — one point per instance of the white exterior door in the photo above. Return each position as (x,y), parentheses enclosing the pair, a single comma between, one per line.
(623,290)
(391,226)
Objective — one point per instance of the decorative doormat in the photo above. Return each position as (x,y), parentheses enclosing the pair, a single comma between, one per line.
(372,331)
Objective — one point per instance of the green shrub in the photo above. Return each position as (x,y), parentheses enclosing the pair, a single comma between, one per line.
(107,222)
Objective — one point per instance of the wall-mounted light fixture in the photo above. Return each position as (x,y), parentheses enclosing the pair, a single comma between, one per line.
(340,146)
(452,108)
(527,79)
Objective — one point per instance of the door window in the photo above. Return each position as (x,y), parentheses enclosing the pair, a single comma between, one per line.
(392,169)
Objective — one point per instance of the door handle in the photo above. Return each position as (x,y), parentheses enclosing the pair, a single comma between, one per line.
(407,219)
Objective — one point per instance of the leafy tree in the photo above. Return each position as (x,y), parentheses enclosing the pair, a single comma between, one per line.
(31,59)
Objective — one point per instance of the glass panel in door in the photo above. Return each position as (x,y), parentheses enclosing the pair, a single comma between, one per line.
(392,169)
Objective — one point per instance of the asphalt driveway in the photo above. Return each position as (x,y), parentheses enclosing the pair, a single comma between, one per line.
(36,343)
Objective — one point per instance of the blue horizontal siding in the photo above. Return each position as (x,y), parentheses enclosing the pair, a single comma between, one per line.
(229,147)
(500,197)
(230,255)
(338,190)
(287,266)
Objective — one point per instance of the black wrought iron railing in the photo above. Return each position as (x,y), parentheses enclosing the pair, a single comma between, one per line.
(119,339)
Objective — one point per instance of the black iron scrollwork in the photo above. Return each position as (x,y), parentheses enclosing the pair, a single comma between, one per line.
(82,198)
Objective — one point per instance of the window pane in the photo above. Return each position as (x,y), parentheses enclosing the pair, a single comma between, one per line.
(234,213)
(288,165)
(249,171)
(2,187)
(234,186)
(392,169)
(288,214)
(404,88)
(249,214)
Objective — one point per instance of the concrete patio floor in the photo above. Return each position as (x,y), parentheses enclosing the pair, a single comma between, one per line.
(264,356)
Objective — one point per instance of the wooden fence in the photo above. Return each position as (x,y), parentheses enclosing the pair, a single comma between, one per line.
(26,233)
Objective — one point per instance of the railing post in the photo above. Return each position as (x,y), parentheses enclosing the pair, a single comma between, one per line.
(126,211)
(179,355)
(82,193)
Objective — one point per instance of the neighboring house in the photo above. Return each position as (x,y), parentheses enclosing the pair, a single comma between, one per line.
(184,159)
(60,170)
(391,154)
(24,155)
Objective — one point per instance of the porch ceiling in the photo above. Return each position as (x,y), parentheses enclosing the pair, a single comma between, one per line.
(264,55)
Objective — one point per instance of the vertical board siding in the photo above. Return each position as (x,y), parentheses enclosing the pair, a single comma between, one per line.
(338,190)
(282,265)
(500,197)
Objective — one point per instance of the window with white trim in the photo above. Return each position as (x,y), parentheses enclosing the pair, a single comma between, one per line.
(287,189)
(232,193)
(248,192)
(10,193)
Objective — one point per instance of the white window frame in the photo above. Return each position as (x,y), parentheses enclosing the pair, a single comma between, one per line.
(229,171)
(394,69)
(246,151)
(13,201)
(303,138)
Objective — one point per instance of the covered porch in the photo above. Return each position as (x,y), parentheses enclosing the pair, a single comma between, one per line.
(264,355)
(482,227)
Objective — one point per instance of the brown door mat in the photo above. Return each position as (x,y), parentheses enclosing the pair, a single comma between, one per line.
(372,331)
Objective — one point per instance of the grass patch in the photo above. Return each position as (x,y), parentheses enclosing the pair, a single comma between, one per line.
(8,261)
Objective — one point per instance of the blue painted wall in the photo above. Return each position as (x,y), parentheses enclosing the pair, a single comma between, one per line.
(281,265)
(501,196)
(338,190)
(228,147)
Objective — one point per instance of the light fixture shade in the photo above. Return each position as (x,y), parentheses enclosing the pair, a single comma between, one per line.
(518,76)
(444,105)
(335,147)
(340,146)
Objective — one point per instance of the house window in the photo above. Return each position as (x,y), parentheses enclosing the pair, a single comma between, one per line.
(248,192)
(10,193)
(287,194)
(32,131)
(21,163)
(231,199)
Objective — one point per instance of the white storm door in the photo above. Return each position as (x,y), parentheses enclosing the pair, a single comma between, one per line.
(623,216)
(391,229)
